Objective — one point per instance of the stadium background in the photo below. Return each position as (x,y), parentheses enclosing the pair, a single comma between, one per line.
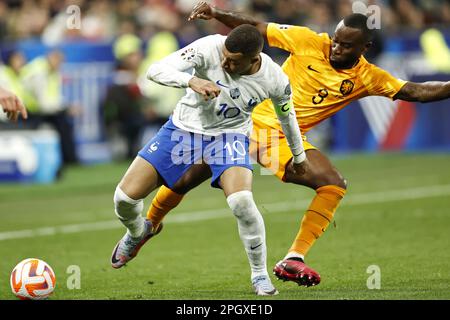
(408,220)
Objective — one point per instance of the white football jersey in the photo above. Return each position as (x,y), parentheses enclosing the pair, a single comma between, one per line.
(231,110)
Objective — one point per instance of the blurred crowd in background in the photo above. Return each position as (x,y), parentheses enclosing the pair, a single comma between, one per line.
(141,32)
(103,20)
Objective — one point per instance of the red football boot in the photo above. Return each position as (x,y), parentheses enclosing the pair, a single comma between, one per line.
(294,269)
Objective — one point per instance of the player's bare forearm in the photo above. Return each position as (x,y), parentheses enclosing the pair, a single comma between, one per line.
(234,19)
(424,92)
(208,89)
(231,19)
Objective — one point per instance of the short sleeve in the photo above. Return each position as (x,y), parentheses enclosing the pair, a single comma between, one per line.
(294,39)
(379,82)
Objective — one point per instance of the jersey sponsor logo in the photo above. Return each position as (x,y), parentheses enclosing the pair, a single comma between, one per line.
(312,69)
(221,84)
(235,93)
(346,87)
(284,26)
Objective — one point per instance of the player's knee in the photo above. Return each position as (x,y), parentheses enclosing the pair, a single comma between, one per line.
(242,205)
(344,184)
(340,182)
(335,179)
(125,207)
(181,189)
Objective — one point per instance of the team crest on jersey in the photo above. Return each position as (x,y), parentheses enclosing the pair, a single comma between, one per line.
(188,54)
(346,87)
(235,93)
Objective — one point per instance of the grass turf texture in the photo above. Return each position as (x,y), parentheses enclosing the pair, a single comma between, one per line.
(395,216)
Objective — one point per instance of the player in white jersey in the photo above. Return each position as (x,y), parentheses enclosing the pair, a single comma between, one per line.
(211,124)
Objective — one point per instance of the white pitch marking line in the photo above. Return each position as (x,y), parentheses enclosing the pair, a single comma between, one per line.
(352,200)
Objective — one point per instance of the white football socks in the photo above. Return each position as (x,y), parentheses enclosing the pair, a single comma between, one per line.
(129,212)
(251,230)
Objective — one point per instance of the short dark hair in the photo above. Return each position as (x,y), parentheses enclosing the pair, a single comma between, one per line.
(244,39)
(359,21)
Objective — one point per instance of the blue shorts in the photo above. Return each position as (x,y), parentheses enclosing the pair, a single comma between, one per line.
(173,151)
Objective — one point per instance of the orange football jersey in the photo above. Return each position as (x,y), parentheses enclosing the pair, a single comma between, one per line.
(319,90)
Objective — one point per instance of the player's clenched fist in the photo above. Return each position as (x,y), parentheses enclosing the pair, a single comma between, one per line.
(202,10)
(208,89)
(12,105)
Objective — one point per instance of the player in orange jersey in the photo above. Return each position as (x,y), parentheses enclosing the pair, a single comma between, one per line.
(326,74)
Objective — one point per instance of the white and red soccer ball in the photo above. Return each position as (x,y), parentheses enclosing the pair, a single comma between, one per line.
(32,279)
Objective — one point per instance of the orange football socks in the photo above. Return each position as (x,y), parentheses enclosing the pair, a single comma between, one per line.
(164,201)
(317,217)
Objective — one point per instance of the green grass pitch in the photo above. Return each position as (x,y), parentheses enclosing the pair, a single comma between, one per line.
(396,216)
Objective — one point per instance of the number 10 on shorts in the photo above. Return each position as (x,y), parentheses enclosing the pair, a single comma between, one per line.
(236,150)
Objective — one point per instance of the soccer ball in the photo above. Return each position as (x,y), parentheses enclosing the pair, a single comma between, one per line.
(32,279)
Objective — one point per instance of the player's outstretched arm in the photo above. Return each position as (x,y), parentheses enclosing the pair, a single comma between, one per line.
(205,11)
(12,105)
(173,70)
(424,92)
(291,130)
